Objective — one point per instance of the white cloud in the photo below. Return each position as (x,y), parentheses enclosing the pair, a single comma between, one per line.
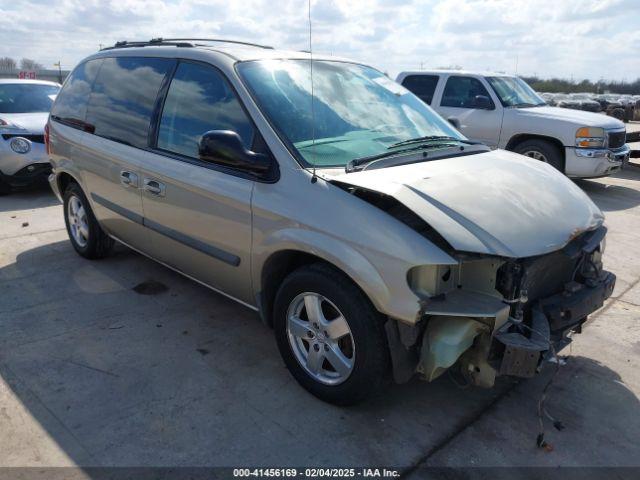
(583,39)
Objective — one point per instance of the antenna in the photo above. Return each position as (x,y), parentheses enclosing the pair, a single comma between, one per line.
(314,178)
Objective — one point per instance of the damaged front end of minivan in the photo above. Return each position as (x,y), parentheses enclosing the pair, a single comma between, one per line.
(527,272)
(491,316)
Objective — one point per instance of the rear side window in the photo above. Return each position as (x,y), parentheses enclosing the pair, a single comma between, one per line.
(123,98)
(462,91)
(422,86)
(70,106)
(199,100)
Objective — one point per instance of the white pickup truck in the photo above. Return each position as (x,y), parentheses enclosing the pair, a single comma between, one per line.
(502,111)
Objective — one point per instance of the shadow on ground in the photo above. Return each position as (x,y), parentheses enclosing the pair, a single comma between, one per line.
(611,197)
(185,377)
(27,198)
(600,415)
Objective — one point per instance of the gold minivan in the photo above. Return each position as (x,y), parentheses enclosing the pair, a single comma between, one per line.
(375,238)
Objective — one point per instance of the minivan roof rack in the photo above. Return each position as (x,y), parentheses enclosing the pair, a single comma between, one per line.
(217,40)
(179,42)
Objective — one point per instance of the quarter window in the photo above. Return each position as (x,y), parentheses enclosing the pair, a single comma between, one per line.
(462,91)
(71,103)
(422,86)
(123,98)
(199,100)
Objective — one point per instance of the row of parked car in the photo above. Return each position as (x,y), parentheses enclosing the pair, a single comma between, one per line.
(375,238)
(622,107)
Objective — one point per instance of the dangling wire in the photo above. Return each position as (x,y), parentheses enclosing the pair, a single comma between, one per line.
(314,178)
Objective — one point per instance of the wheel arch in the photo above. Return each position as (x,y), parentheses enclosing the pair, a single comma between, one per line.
(271,269)
(63,180)
(518,138)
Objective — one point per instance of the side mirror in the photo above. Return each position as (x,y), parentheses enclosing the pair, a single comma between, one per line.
(224,147)
(483,102)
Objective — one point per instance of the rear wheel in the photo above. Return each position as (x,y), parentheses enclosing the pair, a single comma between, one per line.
(331,338)
(85,233)
(543,151)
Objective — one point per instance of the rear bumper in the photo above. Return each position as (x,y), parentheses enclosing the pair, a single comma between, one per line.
(53,183)
(594,162)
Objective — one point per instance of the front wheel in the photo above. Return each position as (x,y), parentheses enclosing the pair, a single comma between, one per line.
(85,233)
(331,338)
(542,151)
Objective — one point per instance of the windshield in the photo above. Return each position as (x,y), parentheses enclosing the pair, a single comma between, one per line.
(357,111)
(514,92)
(26,98)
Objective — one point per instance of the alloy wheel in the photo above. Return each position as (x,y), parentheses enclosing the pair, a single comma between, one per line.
(320,338)
(536,155)
(78,224)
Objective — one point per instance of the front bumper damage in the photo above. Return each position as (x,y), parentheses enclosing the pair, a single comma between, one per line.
(526,316)
(553,319)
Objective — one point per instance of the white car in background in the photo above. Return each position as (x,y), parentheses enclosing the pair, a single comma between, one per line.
(502,111)
(24,110)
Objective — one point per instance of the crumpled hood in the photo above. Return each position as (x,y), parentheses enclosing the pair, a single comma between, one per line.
(579,117)
(496,203)
(29,122)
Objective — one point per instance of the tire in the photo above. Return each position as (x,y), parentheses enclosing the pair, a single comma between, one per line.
(93,243)
(366,340)
(542,150)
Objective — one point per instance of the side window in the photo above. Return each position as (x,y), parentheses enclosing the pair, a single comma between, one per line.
(462,91)
(70,106)
(422,86)
(123,98)
(199,99)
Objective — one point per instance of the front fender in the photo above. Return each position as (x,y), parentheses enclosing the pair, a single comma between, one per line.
(390,295)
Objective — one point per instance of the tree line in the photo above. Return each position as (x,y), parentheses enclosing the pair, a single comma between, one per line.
(8,63)
(559,85)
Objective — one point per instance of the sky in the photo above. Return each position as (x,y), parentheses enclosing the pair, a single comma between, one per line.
(577,39)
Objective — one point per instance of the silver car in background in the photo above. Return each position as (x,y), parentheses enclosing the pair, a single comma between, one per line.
(24,109)
(375,238)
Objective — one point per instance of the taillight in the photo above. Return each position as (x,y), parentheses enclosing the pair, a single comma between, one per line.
(47,145)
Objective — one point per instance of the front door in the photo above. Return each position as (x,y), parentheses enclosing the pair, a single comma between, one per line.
(199,214)
(459,105)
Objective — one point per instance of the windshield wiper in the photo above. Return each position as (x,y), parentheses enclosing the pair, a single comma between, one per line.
(358,162)
(526,105)
(431,138)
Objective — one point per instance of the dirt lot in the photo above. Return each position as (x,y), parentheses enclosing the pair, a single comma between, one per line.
(93,373)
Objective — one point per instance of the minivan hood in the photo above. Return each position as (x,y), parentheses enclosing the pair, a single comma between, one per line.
(578,117)
(496,203)
(31,122)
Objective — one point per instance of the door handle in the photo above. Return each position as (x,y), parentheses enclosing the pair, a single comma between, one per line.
(154,187)
(129,179)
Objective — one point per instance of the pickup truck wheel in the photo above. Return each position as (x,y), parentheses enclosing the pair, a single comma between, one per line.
(543,151)
(330,337)
(85,233)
